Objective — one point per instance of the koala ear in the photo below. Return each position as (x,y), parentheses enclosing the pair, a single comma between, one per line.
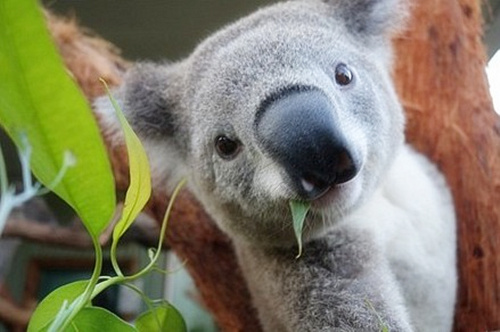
(371,17)
(149,98)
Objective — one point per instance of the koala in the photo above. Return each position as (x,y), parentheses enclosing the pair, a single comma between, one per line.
(296,102)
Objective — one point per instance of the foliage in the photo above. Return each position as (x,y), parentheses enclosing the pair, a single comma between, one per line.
(40,104)
(299,211)
(139,189)
(9,198)
(166,316)
(37,97)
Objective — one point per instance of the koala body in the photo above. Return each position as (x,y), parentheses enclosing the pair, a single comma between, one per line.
(296,102)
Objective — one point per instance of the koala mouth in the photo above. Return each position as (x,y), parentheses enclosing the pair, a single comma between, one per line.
(315,183)
(322,195)
(313,188)
(308,186)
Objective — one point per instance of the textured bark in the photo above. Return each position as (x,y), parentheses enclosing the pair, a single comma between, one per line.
(441,81)
(440,78)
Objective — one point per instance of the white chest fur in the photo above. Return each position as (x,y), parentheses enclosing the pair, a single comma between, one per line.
(412,220)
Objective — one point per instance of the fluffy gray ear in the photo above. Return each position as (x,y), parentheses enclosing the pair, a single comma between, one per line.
(148,100)
(371,17)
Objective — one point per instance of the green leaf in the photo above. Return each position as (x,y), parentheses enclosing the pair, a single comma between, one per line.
(95,319)
(40,100)
(139,189)
(163,318)
(299,212)
(52,303)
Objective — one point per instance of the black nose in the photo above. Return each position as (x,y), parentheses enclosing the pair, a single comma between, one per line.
(298,129)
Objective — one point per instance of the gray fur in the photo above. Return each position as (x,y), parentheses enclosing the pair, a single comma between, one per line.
(371,17)
(339,285)
(370,255)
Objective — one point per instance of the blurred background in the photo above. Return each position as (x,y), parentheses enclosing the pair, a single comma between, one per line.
(155,29)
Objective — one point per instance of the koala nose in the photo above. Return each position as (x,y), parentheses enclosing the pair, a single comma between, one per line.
(299,131)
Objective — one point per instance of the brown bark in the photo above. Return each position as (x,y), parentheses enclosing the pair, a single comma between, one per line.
(33,221)
(441,81)
(440,77)
(47,233)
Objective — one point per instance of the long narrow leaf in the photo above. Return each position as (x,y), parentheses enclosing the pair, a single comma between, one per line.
(139,189)
(299,211)
(38,99)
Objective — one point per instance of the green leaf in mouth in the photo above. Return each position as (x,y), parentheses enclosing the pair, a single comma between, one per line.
(299,211)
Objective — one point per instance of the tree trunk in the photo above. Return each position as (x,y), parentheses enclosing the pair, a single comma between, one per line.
(442,83)
(440,78)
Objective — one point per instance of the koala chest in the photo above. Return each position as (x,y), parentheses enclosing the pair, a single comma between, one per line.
(396,252)
(411,219)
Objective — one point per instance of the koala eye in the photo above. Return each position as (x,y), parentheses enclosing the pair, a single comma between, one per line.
(227,148)
(343,75)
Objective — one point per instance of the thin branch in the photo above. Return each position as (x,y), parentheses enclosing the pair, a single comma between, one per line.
(47,233)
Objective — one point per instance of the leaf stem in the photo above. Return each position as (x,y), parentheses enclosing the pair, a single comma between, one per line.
(162,232)
(140,293)
(114,261)
(121,278)
(3,175)
(87,295)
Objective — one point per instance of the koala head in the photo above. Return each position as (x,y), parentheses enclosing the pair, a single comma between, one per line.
(294,102)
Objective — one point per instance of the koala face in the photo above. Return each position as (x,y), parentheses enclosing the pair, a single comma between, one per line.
(291,103)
